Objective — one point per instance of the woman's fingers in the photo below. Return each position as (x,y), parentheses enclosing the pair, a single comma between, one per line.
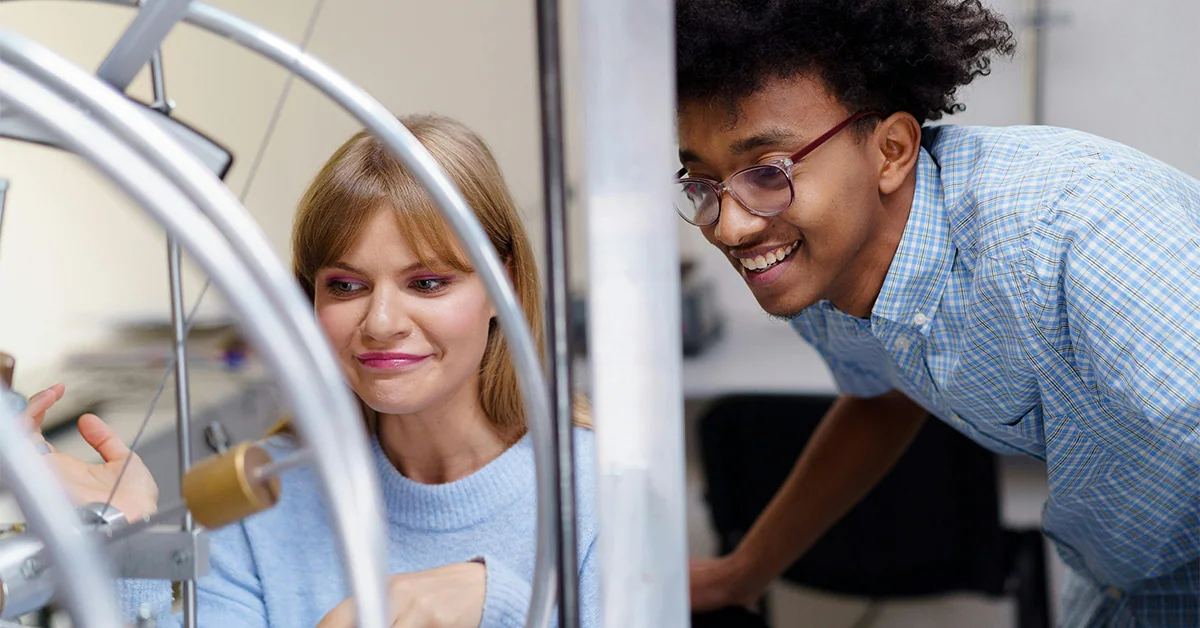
(102,438)
(36,407)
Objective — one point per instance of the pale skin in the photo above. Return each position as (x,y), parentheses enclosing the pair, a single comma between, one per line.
(377,298)
(853,196)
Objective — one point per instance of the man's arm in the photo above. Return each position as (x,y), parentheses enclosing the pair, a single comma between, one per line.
(858,442)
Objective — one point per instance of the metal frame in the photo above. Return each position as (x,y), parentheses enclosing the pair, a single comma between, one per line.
(629,106)
(321,404)
(406,148)
(140,41)
(629,103)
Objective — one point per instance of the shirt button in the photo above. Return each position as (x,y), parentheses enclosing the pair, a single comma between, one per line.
(920,319)
(1113,593)
(903,343)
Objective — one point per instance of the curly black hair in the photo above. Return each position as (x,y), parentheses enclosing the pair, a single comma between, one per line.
(883,55)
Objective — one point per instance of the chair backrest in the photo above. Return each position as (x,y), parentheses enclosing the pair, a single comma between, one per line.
(931,526)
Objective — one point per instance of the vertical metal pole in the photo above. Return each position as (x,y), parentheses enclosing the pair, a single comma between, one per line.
(634,309)
(1035,66)
(182,407)
(3,194)
(558,305)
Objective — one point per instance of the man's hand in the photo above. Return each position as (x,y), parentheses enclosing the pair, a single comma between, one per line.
(718,583)
(445,597)
(137,495)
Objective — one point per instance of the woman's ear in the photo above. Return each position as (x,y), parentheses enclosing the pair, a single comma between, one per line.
(898,139)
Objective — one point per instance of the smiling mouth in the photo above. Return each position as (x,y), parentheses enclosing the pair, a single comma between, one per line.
(766,261)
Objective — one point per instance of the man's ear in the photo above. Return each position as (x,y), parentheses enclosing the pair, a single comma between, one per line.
(898,139)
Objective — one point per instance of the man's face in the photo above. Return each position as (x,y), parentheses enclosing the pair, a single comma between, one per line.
(822,235)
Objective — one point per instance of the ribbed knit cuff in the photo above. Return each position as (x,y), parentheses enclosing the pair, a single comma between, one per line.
(506,596)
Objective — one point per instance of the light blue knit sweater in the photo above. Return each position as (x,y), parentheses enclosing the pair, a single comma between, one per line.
(281,568)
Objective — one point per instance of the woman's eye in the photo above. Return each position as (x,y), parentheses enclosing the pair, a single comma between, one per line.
(342,287)
(429,284)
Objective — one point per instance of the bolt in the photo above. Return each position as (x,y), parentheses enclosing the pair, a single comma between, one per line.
(181,556)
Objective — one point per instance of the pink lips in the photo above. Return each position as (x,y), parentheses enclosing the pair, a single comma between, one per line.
(389,361)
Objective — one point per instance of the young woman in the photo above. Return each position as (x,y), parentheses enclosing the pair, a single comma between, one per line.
(418,342)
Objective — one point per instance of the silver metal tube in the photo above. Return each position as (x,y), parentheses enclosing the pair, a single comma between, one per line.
(139,41)
(634,276)
(3,194)
(183,421)
(264,324)
(279,467)
(558,305)
(86,584)
(109,534)
(159,84)
(357,511)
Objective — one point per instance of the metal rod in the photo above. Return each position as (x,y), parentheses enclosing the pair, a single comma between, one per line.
(3,195)
(138,43)
(279,467)
(159,84)
(633,267)
(558,305)
(279,324)
(112,535)
(1035,66)
(183,422)
(87,585)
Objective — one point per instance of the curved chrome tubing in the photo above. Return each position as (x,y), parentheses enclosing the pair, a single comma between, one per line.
(249,244)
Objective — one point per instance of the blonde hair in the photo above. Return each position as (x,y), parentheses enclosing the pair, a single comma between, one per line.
(362,177)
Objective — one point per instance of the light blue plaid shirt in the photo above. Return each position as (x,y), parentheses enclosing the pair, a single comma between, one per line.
(1045,300)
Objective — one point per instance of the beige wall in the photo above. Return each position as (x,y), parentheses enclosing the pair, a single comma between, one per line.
(76,258)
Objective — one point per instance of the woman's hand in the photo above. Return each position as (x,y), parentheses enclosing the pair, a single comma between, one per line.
(445,597)
(137,495)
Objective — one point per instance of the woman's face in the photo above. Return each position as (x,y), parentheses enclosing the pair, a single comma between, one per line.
(409,339)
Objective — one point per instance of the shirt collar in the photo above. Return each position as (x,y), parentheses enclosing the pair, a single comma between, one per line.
(920,269)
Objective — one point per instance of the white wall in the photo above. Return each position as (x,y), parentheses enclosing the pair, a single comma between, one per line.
(75,257)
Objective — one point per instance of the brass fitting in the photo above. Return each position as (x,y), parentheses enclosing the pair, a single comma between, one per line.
(228,488)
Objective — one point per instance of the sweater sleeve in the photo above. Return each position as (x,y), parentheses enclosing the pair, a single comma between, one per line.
(230,594)
(506,596)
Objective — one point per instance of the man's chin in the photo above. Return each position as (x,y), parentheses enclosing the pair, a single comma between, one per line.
(781,307)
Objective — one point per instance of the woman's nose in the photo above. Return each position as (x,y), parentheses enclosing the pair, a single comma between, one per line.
(386,317)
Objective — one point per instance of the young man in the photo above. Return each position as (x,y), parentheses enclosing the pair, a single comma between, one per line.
(1036,288)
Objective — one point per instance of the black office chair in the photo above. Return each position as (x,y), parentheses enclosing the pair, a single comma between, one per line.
(931,526)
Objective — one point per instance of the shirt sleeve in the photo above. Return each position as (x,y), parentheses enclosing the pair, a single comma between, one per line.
(1131,286)
(230,594)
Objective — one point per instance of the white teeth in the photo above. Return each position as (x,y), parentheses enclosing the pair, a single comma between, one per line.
(763,262)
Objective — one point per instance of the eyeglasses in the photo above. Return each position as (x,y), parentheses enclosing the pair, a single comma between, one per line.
(764,190)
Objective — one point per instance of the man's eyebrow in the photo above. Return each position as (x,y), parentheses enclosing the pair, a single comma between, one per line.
(766,139)
(687,156)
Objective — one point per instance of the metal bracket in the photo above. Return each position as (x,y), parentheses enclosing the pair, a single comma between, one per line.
(162,553)
(212,155)
(138,43)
